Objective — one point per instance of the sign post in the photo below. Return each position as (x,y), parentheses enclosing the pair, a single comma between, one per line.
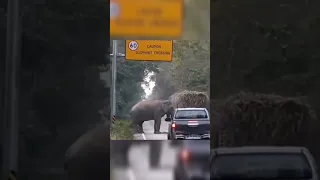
(151,18)
(149,50)
(113,93)
(113,79)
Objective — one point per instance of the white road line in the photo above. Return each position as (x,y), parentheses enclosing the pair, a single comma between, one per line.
(143,136)
(131,174)
(139,136)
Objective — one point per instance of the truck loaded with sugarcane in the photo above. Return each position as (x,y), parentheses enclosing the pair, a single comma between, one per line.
(190,117)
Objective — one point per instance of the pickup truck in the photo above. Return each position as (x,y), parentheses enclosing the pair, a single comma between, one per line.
(189,123)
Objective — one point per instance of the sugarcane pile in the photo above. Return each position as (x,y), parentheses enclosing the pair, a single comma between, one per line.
(187,99)
(262,119)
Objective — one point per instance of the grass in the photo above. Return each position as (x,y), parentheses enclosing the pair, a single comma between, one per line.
(121,130)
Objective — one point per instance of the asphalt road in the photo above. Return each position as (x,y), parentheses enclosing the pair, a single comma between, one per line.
(139,164)
(148,128)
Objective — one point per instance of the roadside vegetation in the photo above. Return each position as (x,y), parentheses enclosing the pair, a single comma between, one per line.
(121,130)
(190,70)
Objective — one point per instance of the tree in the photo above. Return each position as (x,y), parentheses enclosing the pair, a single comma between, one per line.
(189,70)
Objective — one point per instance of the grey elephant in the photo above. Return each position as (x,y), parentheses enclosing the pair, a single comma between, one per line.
(150,110)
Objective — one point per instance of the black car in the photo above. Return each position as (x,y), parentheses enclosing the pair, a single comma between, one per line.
(262,163)
(193,160)
(189,123)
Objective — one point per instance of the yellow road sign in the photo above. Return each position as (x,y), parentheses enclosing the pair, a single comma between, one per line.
(146,18)
(149,50)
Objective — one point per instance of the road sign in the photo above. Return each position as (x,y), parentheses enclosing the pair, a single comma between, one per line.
(146,18)
(149,50)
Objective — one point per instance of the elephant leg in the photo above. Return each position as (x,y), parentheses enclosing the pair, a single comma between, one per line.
(157,123)
(139,127)
(155,153)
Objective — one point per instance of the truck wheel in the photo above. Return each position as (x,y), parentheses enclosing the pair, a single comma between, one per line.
(168,137)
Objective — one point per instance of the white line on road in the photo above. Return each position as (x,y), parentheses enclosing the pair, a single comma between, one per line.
(143,136)
(149,131)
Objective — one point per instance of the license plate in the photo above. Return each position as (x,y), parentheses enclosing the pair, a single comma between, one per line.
(193,137)
(193,123)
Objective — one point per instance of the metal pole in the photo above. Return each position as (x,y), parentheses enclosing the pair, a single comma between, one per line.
(11,121)
(114,78)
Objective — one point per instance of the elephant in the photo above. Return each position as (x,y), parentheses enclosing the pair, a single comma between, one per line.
(89,156)
(150,110)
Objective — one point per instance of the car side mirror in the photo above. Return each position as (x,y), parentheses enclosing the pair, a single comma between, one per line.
(168,119)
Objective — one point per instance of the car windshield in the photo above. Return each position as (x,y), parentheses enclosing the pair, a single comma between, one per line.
(188,114)
(262,166)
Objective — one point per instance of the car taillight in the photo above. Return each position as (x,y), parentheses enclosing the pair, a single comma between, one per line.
(185,155)
(173,125)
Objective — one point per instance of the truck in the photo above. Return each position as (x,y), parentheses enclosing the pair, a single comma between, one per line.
(189,123)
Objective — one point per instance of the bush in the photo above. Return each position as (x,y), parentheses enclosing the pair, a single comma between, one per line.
(121,130)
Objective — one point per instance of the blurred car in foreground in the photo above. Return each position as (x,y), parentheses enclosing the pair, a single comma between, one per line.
(262,163)
(192,162)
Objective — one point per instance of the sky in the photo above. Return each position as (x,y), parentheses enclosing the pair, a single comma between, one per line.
(148,90)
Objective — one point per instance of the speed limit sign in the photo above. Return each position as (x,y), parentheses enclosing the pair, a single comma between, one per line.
(133,45)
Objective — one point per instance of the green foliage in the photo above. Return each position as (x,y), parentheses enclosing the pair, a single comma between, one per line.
(196,20)
(190,69)
(130,76)
(121,130)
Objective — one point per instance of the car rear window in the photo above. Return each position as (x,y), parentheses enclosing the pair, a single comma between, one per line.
(190,114)
(266,166)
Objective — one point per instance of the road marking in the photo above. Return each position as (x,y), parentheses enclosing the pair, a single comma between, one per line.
(131,174)
(139,136)
(143,136)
